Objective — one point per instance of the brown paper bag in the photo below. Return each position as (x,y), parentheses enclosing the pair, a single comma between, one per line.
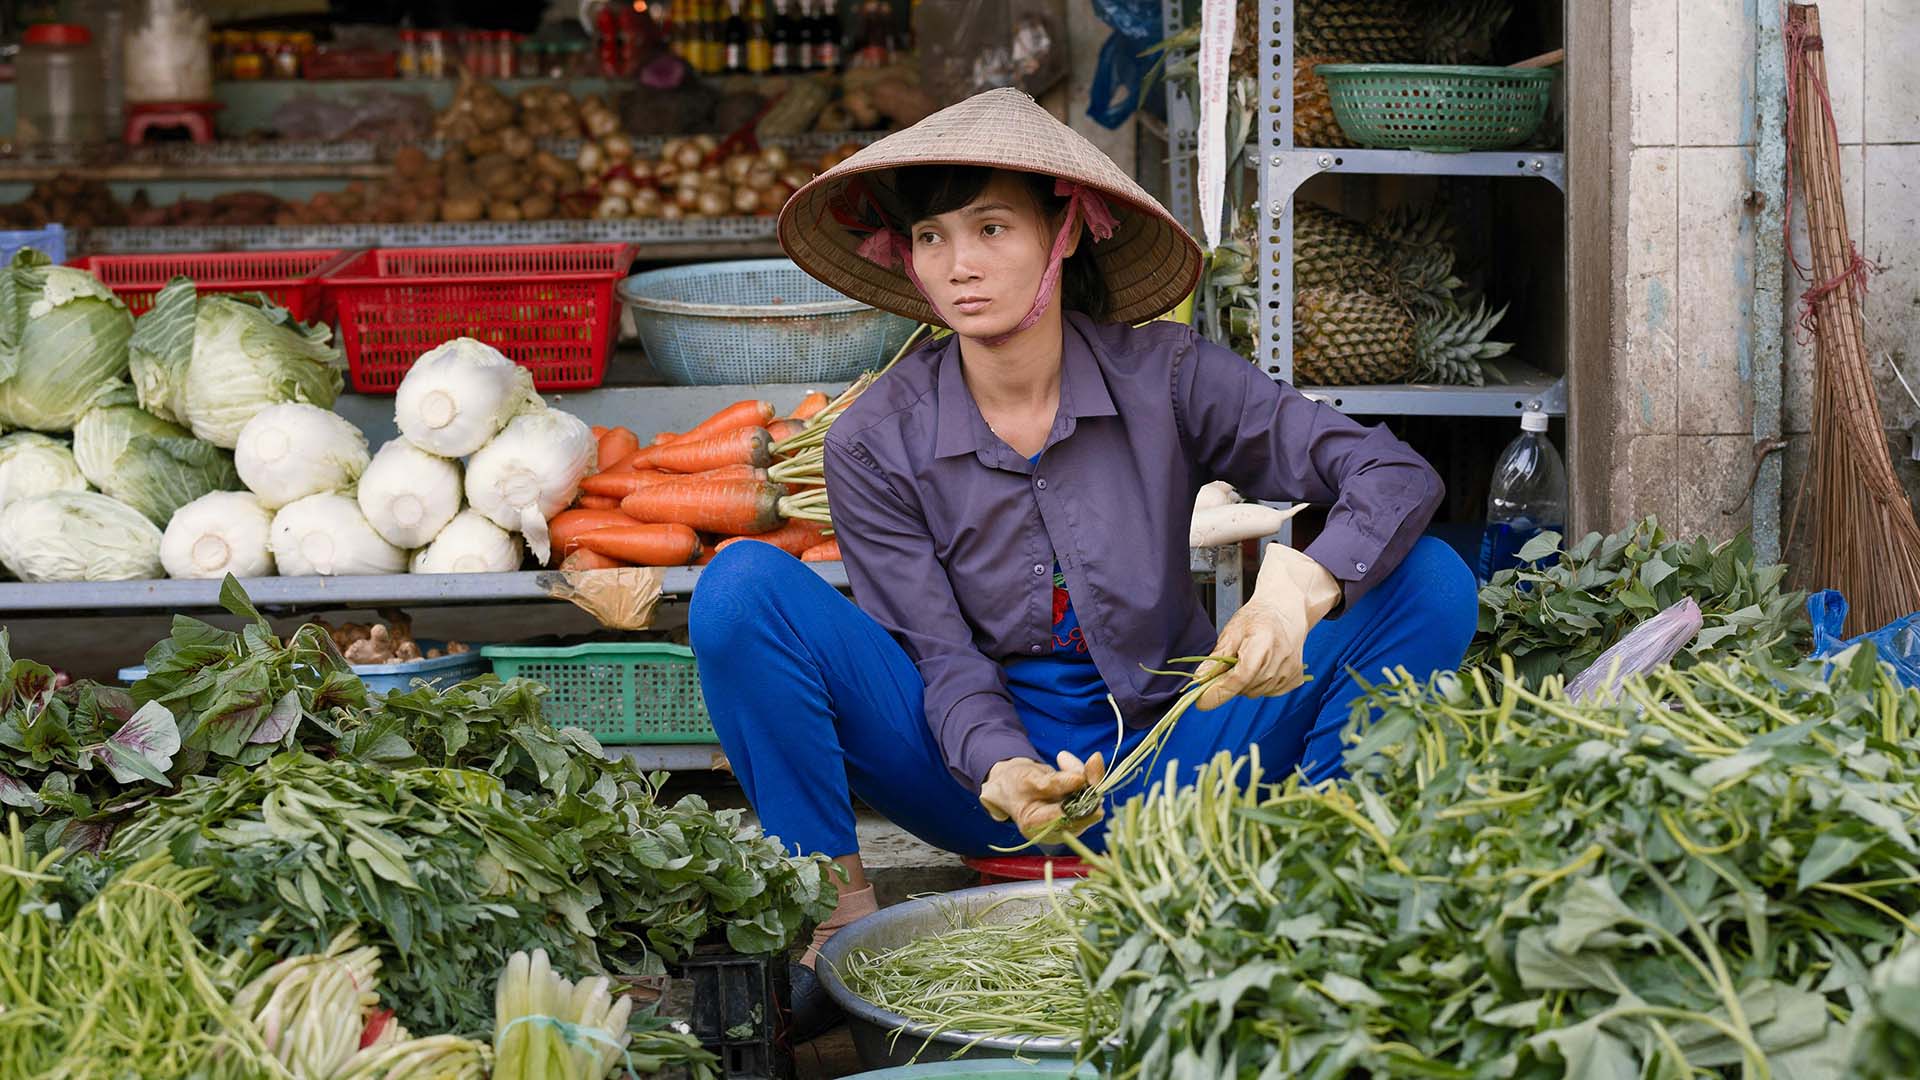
(622,598)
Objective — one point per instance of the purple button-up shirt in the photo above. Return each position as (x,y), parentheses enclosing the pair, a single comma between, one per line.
(950,535)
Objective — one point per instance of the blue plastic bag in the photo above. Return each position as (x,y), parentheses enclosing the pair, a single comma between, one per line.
(1898,642)
(1136,28)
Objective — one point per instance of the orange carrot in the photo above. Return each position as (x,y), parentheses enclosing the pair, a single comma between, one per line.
(598,432)
(724,472)
(703,559)
(827,552)
(794,538)
(599,502)
(618,483)
(785,429)
(740,414)
(664,438)
(616,446)
(731,507)
(645,545)
(568,526)
(811,405)
(589,560)
(741,446)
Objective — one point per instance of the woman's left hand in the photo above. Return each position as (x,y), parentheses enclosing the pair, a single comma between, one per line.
(1267,637)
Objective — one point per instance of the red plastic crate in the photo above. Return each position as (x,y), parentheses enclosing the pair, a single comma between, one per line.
(550,308)
(291,279)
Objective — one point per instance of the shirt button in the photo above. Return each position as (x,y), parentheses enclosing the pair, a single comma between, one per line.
(1039,568)
(1360,567)
(1041,483)
(1034,649)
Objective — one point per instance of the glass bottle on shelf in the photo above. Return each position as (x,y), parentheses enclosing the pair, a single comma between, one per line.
(781,35)
(734,37)
(503,53)
(759,49)
(804,38)
(826,37)
(407,61)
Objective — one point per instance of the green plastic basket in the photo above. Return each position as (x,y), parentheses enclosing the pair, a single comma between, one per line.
(625,693)
(1439,108)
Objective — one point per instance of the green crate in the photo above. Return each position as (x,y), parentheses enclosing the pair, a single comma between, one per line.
(625,693)
(1447,109)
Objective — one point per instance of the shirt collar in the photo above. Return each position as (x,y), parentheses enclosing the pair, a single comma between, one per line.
(1083,393)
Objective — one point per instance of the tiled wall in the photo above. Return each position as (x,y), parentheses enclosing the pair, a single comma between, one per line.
(1684,319)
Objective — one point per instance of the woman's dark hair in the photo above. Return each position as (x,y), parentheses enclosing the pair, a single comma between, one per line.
(926,191)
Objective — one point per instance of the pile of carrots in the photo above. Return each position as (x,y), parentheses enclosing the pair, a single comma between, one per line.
(682,497)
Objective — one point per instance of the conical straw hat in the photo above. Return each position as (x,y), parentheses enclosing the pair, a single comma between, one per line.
(1150,263)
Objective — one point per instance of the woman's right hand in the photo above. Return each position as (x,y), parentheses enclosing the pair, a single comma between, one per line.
(1030,794)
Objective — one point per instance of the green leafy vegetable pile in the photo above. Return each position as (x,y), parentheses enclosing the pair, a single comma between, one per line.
(1557,616)
(442,876)
(456,820)
(1698,879)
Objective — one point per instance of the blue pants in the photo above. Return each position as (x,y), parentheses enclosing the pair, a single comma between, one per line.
(814,702)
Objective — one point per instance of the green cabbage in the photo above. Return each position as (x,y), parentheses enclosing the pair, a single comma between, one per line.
(151,465)
(246,355)
(78,536)
(32,464)
(63,343)
(162,345)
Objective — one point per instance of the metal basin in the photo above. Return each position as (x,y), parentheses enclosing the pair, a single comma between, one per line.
(873,1027)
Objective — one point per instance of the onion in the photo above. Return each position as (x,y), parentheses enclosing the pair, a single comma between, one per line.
(737,168)
(613,206)
(761,176)
(775,197)
(712,203)
(646,203)
(686,198)
(666,172)
(795,178)
(591,160)
(713,174)
(642,169)
(672,211)
(618,147)
(706,144)
(688,157)
(774,157)
(746,200)
(622,187)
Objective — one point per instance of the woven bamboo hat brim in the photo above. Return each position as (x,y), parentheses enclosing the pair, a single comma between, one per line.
(1150,263)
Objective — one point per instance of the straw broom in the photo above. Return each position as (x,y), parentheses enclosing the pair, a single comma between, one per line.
(1865,540)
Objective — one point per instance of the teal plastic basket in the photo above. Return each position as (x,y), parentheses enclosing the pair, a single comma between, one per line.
(756,321)
(625,693)
(1446,109)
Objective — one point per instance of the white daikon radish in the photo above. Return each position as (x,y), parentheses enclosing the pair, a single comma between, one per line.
(219,533)
(1224,525)
(288,452)
(530,472)
(470,544)
(408,494)
(327,534)
(458,395)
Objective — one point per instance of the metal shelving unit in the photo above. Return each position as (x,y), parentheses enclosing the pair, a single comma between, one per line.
(1284,168)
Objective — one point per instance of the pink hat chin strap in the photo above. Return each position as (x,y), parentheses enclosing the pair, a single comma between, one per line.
(888,246)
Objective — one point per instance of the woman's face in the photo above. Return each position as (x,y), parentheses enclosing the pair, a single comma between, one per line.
(981,265)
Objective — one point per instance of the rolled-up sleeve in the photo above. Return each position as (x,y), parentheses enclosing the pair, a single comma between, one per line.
(898,580)
(1275,444)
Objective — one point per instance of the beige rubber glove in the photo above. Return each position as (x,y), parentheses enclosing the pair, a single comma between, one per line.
(1029,794)
(1292,594)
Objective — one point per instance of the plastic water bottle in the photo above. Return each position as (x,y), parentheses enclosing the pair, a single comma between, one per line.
(1529,496)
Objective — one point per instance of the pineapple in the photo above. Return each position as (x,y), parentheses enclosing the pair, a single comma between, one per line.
(1462,31)
(1344,337)
(1452,347)
(1368,31)
(1420,259)
(1313,122)
(1331,249)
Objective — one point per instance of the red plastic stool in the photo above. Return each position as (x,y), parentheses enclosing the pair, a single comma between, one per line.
(1001,868)
(194,116)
